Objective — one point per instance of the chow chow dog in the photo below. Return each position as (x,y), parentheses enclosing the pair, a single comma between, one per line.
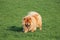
(31,22)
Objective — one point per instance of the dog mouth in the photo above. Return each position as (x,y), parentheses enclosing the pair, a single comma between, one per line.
(27,25)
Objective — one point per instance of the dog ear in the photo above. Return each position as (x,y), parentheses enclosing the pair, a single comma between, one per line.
(30,18)
(24,18)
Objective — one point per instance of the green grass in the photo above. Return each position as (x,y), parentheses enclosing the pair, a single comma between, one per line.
(12,12)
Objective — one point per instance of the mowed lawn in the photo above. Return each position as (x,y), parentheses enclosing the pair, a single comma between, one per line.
(12,12)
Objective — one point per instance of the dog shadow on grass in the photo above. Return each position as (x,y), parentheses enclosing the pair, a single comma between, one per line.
(15,28)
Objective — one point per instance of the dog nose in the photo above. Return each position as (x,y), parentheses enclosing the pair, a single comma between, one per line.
(27,25)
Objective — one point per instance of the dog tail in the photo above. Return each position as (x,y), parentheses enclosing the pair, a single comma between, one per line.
(32,13)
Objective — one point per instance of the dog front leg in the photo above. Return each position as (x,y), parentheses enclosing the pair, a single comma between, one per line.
(25,30)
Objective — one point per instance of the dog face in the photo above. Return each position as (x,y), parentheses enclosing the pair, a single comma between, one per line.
(27,21)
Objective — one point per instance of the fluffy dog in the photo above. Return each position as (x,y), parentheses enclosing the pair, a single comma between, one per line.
(32,21)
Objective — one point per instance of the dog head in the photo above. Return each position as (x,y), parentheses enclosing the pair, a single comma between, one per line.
(27,21)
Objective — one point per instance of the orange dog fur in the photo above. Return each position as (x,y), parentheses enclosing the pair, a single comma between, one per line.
(32,21)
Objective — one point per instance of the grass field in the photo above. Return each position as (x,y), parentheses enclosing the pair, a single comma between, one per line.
(12,12)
